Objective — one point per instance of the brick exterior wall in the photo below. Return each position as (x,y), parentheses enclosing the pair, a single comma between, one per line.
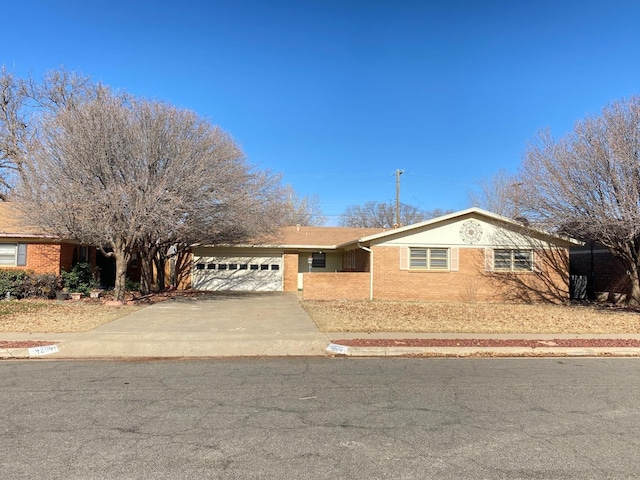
(604,272)
(336,286)
(471,283)
(48,258)
(290,272)
(41,258)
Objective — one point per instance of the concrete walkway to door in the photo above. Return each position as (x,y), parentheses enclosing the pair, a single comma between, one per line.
(216,325)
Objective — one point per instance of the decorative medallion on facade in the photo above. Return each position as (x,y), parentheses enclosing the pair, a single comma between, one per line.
(471,232)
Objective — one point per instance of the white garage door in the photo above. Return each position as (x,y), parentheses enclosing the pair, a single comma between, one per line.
(256,273)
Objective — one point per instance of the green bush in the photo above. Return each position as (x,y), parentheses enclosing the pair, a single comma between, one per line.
(81,278)
(11,283)
(131,286)
(23,284)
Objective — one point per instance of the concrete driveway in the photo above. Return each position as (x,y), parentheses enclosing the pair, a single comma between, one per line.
(217,325)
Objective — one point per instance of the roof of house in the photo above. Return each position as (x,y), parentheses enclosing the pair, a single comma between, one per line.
(12,224)
(470,211)
(305,236)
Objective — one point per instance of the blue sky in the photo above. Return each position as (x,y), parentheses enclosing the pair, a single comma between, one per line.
(337,95)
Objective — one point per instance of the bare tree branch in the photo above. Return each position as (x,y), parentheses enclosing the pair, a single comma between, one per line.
(383,215)
(587,183)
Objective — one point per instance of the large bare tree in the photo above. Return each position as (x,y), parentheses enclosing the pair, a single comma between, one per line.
(133,175)
(587,183)
(383,215)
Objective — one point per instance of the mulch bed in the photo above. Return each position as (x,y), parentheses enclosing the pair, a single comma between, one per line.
(437,342)
(24,344)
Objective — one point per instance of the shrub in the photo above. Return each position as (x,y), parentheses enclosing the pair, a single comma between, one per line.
(11,283)
(41,285)
(131,286)
(23,284)
(80,279)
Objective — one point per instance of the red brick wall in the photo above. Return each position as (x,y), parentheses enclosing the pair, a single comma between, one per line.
(66,257)
(336,286)
(42,258)
(605,272)
(290,272)
(469,284)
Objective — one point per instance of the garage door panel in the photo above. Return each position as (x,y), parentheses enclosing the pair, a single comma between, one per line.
(256,273)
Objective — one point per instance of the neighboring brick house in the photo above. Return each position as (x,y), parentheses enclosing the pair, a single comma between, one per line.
(23,247)
(597,274)
(472,255)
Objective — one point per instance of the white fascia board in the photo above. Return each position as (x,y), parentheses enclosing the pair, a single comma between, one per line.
(278,246)
(462,213)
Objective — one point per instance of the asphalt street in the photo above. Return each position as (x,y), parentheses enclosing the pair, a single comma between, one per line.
(321,418)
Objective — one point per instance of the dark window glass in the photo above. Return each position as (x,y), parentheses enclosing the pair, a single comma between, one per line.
(243,266)
(222,266)
(211,266)
(275,267)
(199,266)
(254,267)
(264,266)
(233,266)
(318,260)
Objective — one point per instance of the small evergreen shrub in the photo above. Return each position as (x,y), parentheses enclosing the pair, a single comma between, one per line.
(131,286)
(80,279)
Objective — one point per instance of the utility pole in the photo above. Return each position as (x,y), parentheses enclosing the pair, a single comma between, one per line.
(398,173)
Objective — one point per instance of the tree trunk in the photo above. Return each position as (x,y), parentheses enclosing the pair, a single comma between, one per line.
(122,257)
(160,262)
(146,272)
(634,295)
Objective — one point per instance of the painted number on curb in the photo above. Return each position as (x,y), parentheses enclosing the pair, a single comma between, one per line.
(335,348)
(46,350)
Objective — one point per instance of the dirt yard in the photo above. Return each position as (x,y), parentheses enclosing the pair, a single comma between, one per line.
(384,316)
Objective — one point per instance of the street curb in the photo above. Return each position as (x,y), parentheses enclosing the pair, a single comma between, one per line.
(341,350)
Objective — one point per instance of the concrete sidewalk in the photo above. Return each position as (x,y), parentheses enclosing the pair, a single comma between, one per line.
(255,325)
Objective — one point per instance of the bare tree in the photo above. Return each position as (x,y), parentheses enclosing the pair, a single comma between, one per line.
(302,210)
(383,215)
(587,183)
(22,103)
(133,175)
(499,194)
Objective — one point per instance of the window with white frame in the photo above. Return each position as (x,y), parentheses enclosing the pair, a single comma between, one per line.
(429,258)
(512,260)
(13,254)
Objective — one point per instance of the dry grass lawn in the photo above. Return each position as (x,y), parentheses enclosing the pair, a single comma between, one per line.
(387,316)
(377,316)
(50,316)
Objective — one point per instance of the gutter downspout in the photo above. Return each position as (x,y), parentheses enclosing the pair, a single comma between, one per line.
(370,269)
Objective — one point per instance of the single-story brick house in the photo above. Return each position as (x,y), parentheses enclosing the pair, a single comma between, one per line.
(471,255)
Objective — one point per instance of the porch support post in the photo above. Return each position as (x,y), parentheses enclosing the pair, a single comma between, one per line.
(370,270)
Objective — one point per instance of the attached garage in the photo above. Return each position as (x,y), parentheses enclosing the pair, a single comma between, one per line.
(250,271)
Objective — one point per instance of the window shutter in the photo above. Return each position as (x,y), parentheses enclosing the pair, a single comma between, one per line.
(488,259)
(455,259)
(404,258)
(22,255)
(536,262)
